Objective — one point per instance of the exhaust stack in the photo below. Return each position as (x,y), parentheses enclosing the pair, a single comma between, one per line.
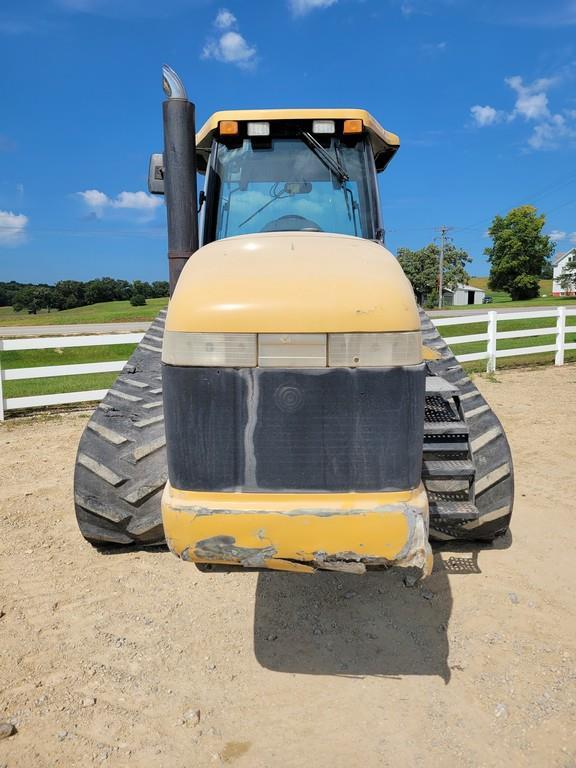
(179,174)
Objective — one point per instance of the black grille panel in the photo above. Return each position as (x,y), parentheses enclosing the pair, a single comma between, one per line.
(283,430)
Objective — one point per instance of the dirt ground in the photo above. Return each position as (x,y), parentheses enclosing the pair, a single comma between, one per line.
(107,659)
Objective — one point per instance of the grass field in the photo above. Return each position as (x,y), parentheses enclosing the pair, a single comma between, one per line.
(69,356)
(106,312)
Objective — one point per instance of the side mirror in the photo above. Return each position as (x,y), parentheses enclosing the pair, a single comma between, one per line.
(156,174)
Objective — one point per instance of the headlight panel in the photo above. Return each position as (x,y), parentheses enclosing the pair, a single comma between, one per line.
(292,350)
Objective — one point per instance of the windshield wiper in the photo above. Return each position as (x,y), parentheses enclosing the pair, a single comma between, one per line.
(325,157)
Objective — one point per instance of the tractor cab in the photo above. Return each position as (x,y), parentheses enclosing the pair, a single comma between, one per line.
(292,171)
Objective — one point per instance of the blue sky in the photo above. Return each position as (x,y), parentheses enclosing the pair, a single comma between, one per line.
(481,92)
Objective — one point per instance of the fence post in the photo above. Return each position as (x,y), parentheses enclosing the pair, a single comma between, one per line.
(491,349)
(1,392)
(560,336)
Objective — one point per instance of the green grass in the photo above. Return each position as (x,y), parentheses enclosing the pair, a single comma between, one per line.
(106,312)
(58,384)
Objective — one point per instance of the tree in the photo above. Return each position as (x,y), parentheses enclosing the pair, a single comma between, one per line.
(421,268)
(519,252)
(138,300)
(106,289)
(142,288)
(547,271)
(69,294)
(26,298)
(160,289)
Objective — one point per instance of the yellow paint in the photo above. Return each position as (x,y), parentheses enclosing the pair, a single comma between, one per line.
(286,502)
(384,143)
(296,282)
(430,354)
(297,526)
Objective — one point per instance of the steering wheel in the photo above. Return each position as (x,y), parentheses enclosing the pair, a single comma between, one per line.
(292,223)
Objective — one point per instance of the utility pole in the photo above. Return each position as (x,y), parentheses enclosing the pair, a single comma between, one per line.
(443,230)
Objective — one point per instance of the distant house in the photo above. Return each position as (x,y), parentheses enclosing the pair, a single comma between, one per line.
(463,295)
(559,263)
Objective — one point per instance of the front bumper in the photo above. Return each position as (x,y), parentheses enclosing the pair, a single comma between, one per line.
(299,532)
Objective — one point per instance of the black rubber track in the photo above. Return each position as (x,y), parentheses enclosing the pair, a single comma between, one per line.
(121,462)
(493,489)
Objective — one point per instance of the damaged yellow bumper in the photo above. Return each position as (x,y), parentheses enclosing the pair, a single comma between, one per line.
(299,532)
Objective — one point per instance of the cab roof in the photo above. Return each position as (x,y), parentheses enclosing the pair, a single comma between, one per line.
(384,144)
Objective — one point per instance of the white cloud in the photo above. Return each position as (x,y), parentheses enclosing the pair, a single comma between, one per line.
(138,201)
(12,228)
(97,202)
(225,19)
(531,99)
(532,105)
(301,7)
(485,115)
(230,47)
(572,238)
(94,199)
(557,235)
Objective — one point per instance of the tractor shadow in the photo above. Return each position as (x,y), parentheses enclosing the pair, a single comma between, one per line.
(352,626)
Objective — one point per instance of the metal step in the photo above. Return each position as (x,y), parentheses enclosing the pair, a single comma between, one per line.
(436,385)
(442,512)
(436,446)
(447,469)
(445,428)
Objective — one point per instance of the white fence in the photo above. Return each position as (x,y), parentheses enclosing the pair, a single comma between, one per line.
(59,342)
(490,354)
(492,335)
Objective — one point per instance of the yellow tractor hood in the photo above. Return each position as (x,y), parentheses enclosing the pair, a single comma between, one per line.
(292,282)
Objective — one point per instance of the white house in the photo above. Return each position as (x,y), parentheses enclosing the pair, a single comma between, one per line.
(463,295)
(559,263)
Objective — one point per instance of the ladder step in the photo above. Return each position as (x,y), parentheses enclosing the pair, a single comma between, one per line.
(436,385)
(452,512)
(445,428)
(433,446)
(447,469)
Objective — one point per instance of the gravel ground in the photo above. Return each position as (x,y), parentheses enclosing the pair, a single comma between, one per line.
(137,659)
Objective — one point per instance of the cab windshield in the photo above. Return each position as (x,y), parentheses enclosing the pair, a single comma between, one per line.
(292,184)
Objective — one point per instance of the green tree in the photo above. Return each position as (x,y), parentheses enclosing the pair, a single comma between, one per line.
(160,289)
(547,271)
(138,300)
(69,294)
(106,289)
(519,252)
(142,288)
(421,268)
(29,298)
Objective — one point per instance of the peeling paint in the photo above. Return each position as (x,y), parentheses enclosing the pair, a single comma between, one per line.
(225,548)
